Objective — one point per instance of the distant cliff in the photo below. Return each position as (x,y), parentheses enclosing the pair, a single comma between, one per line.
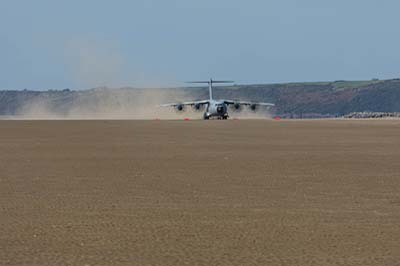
(292,99)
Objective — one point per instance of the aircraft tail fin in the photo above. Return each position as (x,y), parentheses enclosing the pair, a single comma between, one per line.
(210,83)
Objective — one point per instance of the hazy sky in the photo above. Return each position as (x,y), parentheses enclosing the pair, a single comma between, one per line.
(80,44)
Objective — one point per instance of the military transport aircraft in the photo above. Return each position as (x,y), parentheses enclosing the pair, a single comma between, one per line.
(215,108)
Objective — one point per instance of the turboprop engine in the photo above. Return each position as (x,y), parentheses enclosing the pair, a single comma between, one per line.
(197,107)
(253,107)
(180,107)
(237,107)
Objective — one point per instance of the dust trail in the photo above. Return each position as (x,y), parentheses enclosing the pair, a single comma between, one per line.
(104,103)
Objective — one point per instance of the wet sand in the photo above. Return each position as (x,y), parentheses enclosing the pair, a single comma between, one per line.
(200,192)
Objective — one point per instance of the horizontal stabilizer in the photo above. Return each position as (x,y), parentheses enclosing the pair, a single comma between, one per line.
(212,81)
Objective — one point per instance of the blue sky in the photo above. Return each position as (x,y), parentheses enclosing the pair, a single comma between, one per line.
(81,44)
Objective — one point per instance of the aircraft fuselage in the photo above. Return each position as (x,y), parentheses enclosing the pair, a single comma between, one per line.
(216,109)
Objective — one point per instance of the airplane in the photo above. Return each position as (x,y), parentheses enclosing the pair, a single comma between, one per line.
(216,108)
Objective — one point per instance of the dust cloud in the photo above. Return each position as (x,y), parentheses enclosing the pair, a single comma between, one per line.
(95,63)
(100,64)
(124,103)
(106,104)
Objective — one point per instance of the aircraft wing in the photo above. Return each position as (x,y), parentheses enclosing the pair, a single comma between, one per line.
(185,103)
(229,102)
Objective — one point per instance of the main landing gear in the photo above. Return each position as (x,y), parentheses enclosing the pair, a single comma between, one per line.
(207,116)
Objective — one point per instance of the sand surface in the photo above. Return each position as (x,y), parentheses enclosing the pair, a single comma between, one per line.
(200,192)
